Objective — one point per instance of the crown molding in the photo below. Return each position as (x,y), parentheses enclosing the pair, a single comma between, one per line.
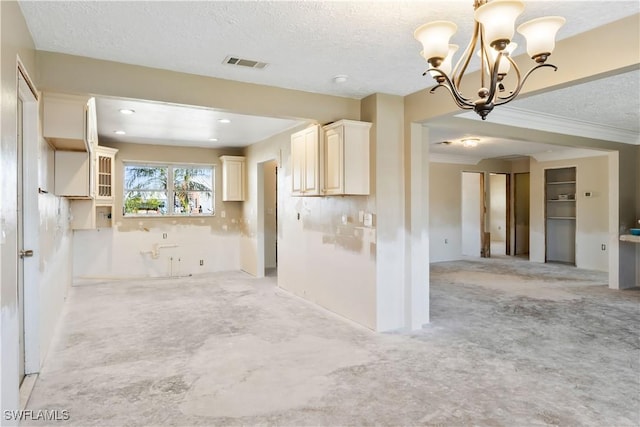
(518,117)
(571,153)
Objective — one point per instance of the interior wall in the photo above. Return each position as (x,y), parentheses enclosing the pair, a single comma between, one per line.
(391,218)
(122,250)
(53,251)
(320,258)
(445,205)
(592,213)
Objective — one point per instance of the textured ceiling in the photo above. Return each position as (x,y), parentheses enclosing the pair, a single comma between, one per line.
(614,101)
(168,124)
(305,43)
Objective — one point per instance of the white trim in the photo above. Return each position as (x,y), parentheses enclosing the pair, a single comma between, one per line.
(512,116)
(568,154)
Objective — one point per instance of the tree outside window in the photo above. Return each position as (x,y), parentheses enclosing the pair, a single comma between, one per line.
(151,190)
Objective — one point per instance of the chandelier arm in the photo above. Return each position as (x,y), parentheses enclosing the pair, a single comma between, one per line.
(493,73)
(465,59)
(459,102)
(521,84)
(519,79)
(484,56)
(462,102)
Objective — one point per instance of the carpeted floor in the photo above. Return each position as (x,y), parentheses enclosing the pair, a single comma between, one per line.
(511,343)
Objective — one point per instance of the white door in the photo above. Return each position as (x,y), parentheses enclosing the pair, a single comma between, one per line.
(27,228)
(471,214)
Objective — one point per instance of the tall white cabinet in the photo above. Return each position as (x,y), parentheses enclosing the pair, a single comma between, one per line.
(305,162)
(346,158)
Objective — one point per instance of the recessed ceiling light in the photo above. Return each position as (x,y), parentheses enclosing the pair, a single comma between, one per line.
(119,132)
(126,111)
(213,139)
(470,142)
(224,121)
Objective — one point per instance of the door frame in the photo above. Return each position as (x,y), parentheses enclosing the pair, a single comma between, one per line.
(27,92)
(260,252)
(516,212)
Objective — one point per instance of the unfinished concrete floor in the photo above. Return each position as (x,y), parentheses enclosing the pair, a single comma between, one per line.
(510,344)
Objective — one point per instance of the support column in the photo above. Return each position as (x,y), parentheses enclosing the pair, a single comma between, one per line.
(417,283)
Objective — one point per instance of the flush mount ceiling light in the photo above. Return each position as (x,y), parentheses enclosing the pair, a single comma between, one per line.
(126,111)
(224,121)
(493,31)
(340,78)
(470,142)
(213,139)
(119,132)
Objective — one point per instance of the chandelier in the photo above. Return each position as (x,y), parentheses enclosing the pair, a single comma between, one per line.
(493,31)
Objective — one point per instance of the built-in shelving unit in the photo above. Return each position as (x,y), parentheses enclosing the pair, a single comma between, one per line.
(560,215)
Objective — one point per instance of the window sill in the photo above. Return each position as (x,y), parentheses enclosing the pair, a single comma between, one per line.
(132,216)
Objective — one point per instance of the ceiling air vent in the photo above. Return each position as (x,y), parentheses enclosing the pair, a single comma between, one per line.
(241,62)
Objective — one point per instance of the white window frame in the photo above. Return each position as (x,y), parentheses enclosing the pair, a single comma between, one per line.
(170,190)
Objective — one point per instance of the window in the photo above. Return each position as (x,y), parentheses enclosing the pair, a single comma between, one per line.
(168,189)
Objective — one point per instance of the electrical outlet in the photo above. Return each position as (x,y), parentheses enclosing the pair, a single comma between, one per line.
(201,262)
(164,235)
(603,247)
(446,241)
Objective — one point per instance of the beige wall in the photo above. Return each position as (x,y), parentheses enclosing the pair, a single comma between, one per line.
(445,205)
(116,251)
(43,299)
(75,74)
(592,213)
(320,258)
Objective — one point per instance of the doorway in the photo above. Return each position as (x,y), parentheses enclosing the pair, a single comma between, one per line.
(521,214)
(473,214)
(267,225)
(499,213)
(270,218)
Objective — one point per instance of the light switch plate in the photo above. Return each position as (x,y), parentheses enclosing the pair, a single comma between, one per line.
(368,219)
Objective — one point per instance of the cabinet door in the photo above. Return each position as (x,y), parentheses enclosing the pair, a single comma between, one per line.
(104,177)
(297,163)
(72,174)
(233,181)
(334,161)
(311,163)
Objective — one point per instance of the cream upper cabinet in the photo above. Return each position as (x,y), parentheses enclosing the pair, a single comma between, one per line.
(69,122)
(72,172)
(346,158)
(105,170)
(233,177)
(305,162)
